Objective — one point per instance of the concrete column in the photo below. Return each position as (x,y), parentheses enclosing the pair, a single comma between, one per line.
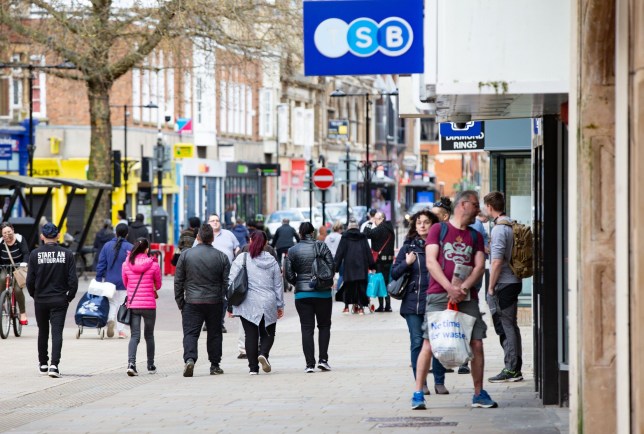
(596,218)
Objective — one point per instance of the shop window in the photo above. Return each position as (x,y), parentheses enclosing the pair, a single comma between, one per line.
(4,96)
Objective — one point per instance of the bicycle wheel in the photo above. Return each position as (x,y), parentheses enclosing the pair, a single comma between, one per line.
(80,264)
(5,322)
(17,327)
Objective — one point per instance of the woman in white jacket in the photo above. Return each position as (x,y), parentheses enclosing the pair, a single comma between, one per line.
(264,302)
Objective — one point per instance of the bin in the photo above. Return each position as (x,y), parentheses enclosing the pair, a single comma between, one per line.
(168,253)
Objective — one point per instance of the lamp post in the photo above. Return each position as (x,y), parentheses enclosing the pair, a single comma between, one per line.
(31,148)
(126,166)
(367,165)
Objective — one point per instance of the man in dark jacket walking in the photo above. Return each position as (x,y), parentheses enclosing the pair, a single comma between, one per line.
(285,237)
(200,283)
(382,241)
(52,283)
(138,230)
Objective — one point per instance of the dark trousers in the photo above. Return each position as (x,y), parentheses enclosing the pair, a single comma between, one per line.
(506,326)
(193,317)
(415,326)
(257,336)
(385,269)
(310,310)
(54,314)
(149,316)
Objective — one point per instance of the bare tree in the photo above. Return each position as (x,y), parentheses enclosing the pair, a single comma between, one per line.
(105,39)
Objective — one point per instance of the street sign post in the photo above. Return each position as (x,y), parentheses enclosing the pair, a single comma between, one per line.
(323,178)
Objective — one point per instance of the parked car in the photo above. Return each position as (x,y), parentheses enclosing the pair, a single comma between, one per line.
(337,211)
(415,208)
(274,220)
(317,216)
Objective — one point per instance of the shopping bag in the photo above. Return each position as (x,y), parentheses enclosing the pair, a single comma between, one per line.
(104,289)
(20,276)
(376,286)
(449,333)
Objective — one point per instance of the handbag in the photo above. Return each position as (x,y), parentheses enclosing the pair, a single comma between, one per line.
(238,288)
(397,288)
(376,253)
(19,273)
(175,259)
(124,315)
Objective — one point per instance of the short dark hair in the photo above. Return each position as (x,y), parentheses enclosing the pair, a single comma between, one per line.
(140,217)
(121,230)
(194,222)
(496,200)
(306,228)
(444,203)
(205,234)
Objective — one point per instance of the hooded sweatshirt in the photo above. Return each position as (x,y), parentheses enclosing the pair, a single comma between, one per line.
(265,290)
(150,282)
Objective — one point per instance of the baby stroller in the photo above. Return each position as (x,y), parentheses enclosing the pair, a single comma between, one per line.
(93,308)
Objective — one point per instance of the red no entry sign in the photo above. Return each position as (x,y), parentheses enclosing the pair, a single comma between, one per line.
(323,178)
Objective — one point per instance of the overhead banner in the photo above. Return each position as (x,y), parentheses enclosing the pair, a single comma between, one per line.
(356,37)
(465,137)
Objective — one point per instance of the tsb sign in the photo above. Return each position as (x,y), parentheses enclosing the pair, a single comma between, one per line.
(351,37)
(363,37)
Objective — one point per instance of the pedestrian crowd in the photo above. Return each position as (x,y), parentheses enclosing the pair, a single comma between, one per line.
(441,264)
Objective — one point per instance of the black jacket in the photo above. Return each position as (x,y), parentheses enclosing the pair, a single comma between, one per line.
(19,251)
(51,276)
(414,300)
(201,276)
(186,239)
(382,237)
(283,237)
(137,230)
(299,261)
(354,251)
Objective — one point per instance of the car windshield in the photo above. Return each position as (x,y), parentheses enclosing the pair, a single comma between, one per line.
(277,217)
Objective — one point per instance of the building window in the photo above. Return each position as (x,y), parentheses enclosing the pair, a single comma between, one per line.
(223,127)
(4,96)
(428,130)
(424,162)
(199,99)
(249,111)
(266,112)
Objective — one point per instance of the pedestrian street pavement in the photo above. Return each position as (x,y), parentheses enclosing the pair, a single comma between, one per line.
(369,389)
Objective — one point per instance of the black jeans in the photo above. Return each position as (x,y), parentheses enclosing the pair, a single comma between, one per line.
(149,316)
(261,336)
(54,314)
(193,317)
(310,310)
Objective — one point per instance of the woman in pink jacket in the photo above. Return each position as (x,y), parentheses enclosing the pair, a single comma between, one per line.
(142,279)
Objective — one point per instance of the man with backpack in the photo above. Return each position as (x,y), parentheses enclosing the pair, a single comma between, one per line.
(504,286)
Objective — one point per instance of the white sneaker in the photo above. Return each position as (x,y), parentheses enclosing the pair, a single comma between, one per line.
(309,370)
(323,365)
(266,366)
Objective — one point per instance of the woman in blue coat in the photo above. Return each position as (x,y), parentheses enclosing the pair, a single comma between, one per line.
(109,266)
(411,259)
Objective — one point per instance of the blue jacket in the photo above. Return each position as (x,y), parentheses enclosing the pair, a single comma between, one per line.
(109,268)
(416,296)
(241,233)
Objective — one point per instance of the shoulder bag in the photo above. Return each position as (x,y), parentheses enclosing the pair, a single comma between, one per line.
(124,315)
(238,288)
(19,273)
(376,253)
(321,273)
(397,288)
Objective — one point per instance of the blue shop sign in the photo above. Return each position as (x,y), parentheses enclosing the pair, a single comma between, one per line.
(355,37)
(466,137)
(6,152)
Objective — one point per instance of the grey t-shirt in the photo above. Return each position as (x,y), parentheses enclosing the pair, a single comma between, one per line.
(226,242)
(501,242)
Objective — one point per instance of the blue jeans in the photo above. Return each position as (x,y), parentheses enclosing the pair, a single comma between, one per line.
(415,326)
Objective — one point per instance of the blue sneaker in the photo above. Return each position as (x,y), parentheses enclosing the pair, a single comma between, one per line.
(418,401)
(483,400)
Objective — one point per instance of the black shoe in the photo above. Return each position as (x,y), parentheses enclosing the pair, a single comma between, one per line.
(388,309)
(380,309)
(215,370)
(506,376)
(242,356)
(223,329)
(447,371)
(464,369)
(53,371)
(131,370)
(152,369)
(189,368)
(43,369)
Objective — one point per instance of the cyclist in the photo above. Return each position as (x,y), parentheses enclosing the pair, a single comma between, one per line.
(15,245)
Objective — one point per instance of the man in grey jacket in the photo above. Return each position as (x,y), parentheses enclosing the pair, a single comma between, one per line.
(200,284)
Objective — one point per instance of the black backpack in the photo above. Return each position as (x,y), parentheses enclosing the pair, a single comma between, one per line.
(321,273)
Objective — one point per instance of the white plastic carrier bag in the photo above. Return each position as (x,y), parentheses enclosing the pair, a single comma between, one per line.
(449,333)
(104,289)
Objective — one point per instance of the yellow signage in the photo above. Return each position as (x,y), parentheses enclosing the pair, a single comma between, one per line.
(183,150)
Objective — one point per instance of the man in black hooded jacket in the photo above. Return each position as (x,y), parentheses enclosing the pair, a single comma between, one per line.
(137,230)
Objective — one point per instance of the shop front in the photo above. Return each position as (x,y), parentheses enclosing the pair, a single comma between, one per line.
(201,183)
(245,190)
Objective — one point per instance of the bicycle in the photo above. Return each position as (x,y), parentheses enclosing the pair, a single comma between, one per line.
(9,307)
